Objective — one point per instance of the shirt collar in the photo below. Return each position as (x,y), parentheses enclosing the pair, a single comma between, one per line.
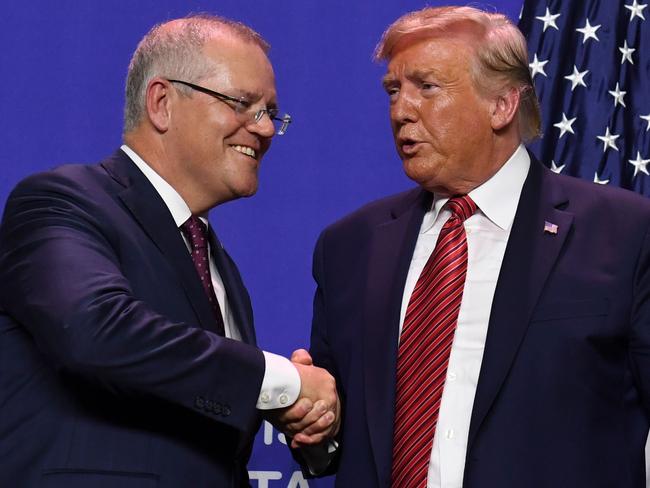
(174,202)
(498,197)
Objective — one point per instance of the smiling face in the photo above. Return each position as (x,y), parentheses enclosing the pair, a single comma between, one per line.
(441,123)
(215,152)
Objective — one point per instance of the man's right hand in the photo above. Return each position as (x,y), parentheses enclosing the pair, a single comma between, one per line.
(315,416)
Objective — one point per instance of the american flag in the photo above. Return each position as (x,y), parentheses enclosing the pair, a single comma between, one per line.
(590,61)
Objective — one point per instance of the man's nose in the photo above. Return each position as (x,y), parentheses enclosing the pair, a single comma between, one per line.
(404,108)
(264,126)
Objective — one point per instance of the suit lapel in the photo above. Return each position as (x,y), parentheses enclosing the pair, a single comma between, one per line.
(529,257)
(151,213)
(391,248)
(236,294)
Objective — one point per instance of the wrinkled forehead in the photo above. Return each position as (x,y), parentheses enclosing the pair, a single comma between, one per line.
(440,55)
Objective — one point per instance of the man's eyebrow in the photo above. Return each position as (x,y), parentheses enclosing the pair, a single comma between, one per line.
(416,74)
(388,80)
(253,97)
(248,95)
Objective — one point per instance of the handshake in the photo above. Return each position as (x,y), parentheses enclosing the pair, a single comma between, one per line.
(315,416)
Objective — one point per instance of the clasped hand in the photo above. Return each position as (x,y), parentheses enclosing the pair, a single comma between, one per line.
(315,416)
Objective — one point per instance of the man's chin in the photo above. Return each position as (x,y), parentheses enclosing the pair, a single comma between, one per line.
(429,182)
(248,190)
(415,169)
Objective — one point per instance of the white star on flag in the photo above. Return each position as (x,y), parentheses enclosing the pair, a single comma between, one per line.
(577,78)
(537,66)
(599,181)
(647,119)
(565,125)
(555,168)
(589,31)
(639,164)
(608,140)
(595,91)
(618,95)
(636,10)
(627,53)
(549,20)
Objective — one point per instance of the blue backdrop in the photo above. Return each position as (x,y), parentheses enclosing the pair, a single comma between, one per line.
(63,69)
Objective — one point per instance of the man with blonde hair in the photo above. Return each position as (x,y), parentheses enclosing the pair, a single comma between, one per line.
(491,327)
(128,349)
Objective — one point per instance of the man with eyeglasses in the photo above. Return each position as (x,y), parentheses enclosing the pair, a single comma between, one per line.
(129,354)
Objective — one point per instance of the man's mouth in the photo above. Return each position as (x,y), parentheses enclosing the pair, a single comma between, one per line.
(408,146)
(247,150)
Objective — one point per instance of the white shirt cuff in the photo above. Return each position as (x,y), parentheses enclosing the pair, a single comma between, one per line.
(281,383)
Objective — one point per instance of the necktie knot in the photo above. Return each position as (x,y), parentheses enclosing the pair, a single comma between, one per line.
(196,232)
(461,207)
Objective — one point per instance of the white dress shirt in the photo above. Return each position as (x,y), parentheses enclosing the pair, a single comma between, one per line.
(281,383)
(487,235)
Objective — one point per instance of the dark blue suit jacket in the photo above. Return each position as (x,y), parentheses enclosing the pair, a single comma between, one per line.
(563,397)
(110,374)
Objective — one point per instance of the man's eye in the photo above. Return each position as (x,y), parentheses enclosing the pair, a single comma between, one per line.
(242,105)
(427,86)
(392,91)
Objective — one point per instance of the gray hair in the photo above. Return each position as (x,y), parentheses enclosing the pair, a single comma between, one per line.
(174,50)
(501,58)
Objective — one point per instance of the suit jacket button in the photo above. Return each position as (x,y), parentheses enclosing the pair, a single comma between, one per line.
(199,402)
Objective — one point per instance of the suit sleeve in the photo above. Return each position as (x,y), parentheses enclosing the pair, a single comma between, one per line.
(319,346)
(323,459)
(640,324)
(61,280)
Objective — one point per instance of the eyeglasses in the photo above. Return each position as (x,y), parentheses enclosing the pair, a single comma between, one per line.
(243,108)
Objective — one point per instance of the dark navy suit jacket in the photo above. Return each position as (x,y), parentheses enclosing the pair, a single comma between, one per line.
(110,374)
(563,397)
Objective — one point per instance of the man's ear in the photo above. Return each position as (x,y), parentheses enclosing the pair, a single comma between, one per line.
(505,108)
(158,103)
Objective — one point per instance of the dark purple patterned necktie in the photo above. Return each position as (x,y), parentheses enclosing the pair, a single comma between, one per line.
(196,232)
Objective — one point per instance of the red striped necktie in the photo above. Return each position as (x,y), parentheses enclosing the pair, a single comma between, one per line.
(424,347)
(196,233)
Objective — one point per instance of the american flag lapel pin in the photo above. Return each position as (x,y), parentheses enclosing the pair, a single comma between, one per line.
(549,227)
